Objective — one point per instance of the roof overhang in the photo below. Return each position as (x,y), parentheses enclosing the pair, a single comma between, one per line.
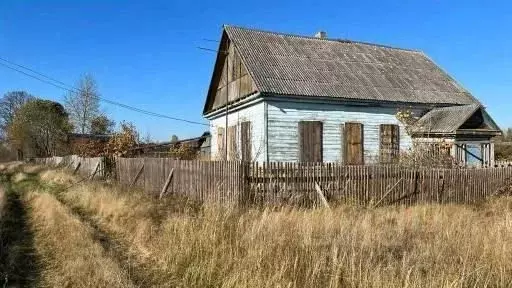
(234,106)
(459,132)
(456,120)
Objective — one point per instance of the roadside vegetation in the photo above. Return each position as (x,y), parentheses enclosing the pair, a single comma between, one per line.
(91,234)
(69,247)
(191,246)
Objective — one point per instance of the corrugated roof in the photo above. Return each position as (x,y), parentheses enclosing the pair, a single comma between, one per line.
(444,120)
(286,64)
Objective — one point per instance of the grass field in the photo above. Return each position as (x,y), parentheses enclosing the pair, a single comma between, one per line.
(96,235)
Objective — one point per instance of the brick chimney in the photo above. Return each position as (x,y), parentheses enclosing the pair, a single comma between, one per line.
(321,35)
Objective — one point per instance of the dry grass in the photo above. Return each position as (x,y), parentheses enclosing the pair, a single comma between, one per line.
(421,246)
(19,177)
(56,176)
(70,255)
(32,168)
(10,167)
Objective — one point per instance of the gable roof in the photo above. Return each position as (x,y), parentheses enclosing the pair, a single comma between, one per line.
(290,65)
(448,120)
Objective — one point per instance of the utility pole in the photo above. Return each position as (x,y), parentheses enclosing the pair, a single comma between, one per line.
(226,55)
(227,100)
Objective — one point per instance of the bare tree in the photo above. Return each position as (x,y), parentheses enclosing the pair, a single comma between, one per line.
(10,103)
(147,137)
(83,105)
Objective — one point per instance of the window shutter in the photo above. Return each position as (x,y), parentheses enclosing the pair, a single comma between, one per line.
(310,141)
(246,141)
(354,144)
(389,143)
(342,147)
(221,152)
(232,147)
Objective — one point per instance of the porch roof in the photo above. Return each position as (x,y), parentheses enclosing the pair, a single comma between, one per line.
(452,120)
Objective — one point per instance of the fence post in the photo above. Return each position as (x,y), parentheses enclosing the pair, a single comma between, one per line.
(167,182)
(95,169)
(138,175)
(77,167)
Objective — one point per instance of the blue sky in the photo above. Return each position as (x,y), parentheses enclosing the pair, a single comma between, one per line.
(144,53)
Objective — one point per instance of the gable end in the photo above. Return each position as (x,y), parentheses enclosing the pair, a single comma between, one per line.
(231,80)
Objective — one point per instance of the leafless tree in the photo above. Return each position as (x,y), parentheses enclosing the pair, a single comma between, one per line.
(83,105)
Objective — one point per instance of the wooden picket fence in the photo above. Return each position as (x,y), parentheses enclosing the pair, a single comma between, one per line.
(95,166)
(198,180)
(307,183)
(502,163)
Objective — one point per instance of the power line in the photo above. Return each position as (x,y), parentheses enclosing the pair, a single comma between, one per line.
(210,40)
(213,50)
(61,85)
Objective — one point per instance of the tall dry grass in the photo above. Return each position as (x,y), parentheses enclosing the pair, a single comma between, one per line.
(69,255)
(421,246)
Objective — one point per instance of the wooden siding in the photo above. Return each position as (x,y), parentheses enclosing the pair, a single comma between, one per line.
(283,119)
(253,114)
(233,80)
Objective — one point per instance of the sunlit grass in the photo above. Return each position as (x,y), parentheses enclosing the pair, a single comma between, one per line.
(420,246)
(69,255)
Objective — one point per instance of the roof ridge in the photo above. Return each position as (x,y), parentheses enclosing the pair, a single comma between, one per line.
(340,40)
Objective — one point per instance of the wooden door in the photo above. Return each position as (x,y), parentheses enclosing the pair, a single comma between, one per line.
(389,147)
(354,144)
(310,141)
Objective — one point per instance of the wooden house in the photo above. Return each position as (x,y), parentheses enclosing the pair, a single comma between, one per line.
(282,97)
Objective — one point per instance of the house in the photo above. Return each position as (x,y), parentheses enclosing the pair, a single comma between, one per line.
(282,97)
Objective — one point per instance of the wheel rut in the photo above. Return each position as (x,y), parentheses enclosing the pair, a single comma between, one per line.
(113,246)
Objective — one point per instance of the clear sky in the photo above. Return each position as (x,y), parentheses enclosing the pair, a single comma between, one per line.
(144,53)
